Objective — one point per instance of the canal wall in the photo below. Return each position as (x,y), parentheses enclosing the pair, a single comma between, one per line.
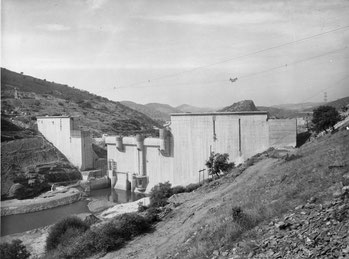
(46,201)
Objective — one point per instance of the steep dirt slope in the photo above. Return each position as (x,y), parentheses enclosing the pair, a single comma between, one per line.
(202,224)
(30,162)
(40,97)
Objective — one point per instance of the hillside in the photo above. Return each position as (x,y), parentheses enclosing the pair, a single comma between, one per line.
(267,208)
(29,162)
(194,109)
(97,114)
(338,104)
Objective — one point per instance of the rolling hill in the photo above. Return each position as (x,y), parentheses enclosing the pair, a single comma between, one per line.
(155,114)
(297,106)
(164,108)
(338,104)
(99,115)
(194,109)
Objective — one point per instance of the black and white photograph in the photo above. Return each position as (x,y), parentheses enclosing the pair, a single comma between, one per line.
(188,129)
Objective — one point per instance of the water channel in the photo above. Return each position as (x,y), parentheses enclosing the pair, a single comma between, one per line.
(24,222)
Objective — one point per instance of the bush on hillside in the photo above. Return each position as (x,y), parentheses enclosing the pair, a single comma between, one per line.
(64,231)
(178,189)
(109,237)
(191,187)
(159,194)
(218,163)
(325,117)
(14,250)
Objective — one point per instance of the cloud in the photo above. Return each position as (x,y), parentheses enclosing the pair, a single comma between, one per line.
(95,4)
(54,27)
(218,18)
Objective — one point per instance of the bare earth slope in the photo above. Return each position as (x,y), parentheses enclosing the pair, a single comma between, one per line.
(202,224)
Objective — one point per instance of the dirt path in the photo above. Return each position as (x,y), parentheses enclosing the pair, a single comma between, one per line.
(177,227)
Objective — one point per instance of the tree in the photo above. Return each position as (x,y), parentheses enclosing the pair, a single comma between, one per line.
(217,163)
(325,117)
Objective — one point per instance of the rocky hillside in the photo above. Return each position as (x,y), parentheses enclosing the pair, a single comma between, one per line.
(29,162)
(312,230)
(26,97)
(246,105)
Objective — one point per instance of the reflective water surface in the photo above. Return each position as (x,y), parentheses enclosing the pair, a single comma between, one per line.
(24,222)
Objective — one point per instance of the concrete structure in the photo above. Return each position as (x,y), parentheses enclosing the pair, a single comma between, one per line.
(63,133)
(181,151)
(282,132)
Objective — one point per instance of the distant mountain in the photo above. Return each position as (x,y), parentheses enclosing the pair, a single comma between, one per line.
(194,109)
(298,106)
(281,113)
(163,108)
(246,105)
(338,104)
(26,97)
(148,110)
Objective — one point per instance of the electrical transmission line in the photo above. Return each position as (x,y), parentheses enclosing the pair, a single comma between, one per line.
(239,57)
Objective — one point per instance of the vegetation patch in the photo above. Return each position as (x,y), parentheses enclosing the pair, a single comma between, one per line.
(73,238)
(13,250)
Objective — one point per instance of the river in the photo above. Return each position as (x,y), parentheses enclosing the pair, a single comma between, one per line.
(24,222)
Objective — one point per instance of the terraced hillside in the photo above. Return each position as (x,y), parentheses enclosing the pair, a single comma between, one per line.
(27,97)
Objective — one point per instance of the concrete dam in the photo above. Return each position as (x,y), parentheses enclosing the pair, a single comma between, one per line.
(138,163)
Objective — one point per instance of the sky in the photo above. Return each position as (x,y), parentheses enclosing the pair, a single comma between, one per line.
(185,51)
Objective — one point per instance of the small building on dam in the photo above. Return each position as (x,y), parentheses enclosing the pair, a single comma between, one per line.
(185,144)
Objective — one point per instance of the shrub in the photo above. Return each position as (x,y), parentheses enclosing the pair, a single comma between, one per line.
(152,215)
(64,231)
(108,237)
(218,163)
(325,117)
(191,187)
(141,207)
(159,194)
(14,250)
(130,224)
(178,189)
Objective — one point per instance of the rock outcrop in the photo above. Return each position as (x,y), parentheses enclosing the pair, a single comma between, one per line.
(246,105)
